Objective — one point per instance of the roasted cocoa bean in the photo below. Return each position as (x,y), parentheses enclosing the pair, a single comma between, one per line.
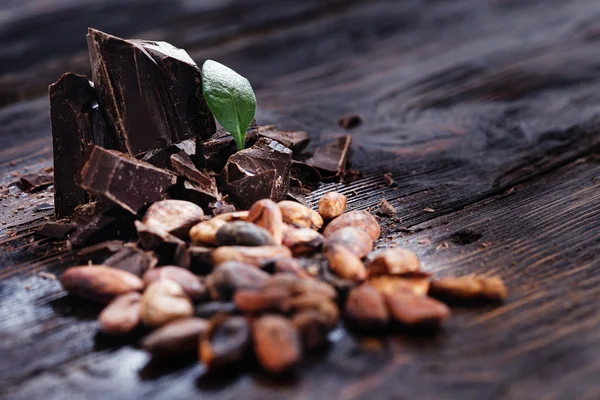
(257,301)
(193,287)
(99,283)
(227,345)
(332,205)
(289,265)
(205,233)
(229,277)
(232,216)
(358,219)
(215,308)
(468,289)
(345,264)
(303,241)
(164,301)
(415,282)
(416,311)
(299,215)
(276,343)
(313,328)
(266,214)
(358,241)
(122,315)
(173,216)
(257,256)
(296,286)
(312,301)
(394,262)
(179,337)
(366,309)
(240,233)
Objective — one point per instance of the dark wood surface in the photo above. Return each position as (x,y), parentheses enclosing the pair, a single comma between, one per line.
(486,111)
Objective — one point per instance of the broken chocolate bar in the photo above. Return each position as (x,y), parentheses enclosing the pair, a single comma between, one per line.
(294,140)
(332,158)
(132,259)
(56,229)
(262,171)
(151,92)
(33,182)
(76,121)
(97,222)
(217,149)
(129,183)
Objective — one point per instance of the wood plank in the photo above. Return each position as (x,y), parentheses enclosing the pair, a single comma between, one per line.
(538,344)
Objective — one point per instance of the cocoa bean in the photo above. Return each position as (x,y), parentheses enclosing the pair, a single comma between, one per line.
(415,282)
(122,315)
(289,265)
(416,311)
(358,241)
(332,204)
(178,337)
(266,214)
(193,287)
(366,309)
(205,233)
(242,233)
(303,241)
(257,256)
(232,216)
(227,345)
(215,308)
(99,283)
(164,301)
(468,289)
(358,219)
(229,277)
(345,264)
(313,328)
(299,215)
(276,343)
(256,301)
(173,216)
(313,301)
(394,262)
(298,286)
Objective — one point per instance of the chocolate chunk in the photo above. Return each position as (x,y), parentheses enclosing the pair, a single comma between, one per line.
(97,253)
(129,183)
(295,140)
(217,149)
(151,92)
(262,171)
(222,207)
(350,121)
(132,259)
(56,229)
(75,121)
(197,259)
(33,182)
(332,158)
(97,222)
(200,187)
(152,237)
(304,173)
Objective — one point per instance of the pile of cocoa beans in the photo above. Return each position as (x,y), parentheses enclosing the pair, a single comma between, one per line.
(262,296)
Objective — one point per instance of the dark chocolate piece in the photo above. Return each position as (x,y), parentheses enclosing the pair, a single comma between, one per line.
(332,158)
(132,259)
(129,183)
(98,222)
(262,171)
(151,92)
(152,238)
(33,182)
(161,158)
(201,180)
(56,229)
(217,149)
(43,207)
(197,259)
(97,253)
(293,140)
(221,206)
(199,195)
(75,121)
(304,173)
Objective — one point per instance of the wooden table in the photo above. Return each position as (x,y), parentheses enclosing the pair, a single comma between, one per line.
(486,111)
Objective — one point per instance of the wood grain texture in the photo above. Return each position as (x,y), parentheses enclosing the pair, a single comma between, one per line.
(485,111)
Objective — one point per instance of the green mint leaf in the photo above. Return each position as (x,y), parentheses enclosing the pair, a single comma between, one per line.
(230,98)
